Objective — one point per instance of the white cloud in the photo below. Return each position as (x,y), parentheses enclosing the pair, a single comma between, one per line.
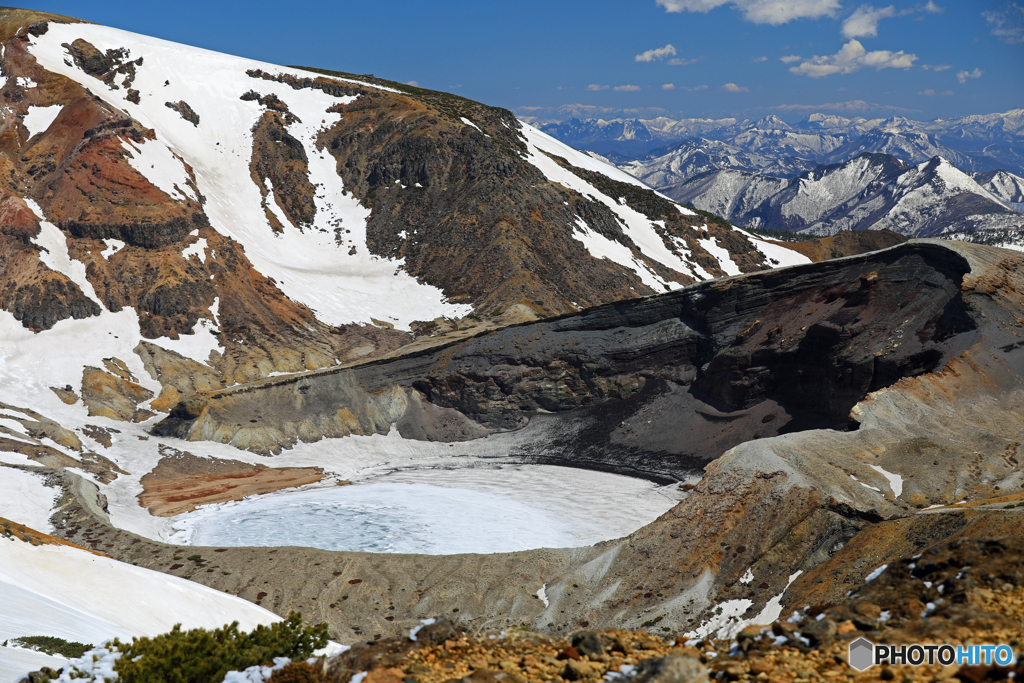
(732,87)
(684,62)
(863,23)
(1008,23)
(853,57)
(789,59)
(668,86)
(758,60)
(595,86)
(413,84)
(772,12)
(699,87)
(962,76)
(933,8)
(627,88)
(850,106)
(657,54)
(936,67)
(929,92)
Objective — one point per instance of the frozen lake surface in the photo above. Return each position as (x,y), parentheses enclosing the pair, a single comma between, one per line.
(471,510)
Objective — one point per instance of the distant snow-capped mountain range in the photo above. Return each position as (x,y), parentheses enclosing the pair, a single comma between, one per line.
(870,191)
(769,145)
(828,173)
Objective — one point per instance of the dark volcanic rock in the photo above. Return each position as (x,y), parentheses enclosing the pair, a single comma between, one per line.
(186,112)
(661,384)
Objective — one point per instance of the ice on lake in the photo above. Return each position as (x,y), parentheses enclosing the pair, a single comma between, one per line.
(474,510)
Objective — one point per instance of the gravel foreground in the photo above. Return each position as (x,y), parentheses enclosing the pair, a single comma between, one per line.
(966,592)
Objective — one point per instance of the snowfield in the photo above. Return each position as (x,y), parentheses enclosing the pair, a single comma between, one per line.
(306,261)
(76,595)
(25,500)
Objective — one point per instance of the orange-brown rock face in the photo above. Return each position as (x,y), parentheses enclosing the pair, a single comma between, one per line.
(35,294)
(181,481)
(79,172)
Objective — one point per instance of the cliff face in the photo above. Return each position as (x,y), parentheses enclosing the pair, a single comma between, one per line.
(666,383)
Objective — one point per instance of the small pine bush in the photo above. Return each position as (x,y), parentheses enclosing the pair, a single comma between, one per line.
(52,645)
(201,656)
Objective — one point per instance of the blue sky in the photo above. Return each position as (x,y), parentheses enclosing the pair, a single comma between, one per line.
(693,58)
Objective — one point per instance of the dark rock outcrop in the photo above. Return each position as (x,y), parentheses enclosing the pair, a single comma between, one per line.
(665,383)
(185,111)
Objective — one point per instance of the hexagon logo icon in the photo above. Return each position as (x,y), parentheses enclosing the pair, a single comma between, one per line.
(862,654)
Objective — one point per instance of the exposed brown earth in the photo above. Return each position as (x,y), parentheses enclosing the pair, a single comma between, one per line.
(181,482)
(847,243)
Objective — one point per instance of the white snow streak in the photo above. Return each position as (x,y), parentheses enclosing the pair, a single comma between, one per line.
(875,574)
(542,593)
(198,248)
(54,253)
(895,480)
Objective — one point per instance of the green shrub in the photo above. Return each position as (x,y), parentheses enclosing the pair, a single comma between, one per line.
(200,655)
(51,645)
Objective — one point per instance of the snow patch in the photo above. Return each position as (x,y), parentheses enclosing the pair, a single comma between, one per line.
(720,254)
(26,500)
(773,608)
(113,246)
(54,253)
(895,480)
(600,247)
(157,164)
(73,594)
(747,577)
(196,249)
(875,574)
(38,119)
(258,673)
(543,595)
(202,342)
(416,629)
(725,621)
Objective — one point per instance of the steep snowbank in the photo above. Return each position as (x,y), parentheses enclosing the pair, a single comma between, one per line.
(310,264)
(73,594)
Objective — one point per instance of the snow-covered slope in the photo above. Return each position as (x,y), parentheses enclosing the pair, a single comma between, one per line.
(728,192)
(340,280)
(1006,186)
(69,593)
(694,157)
(909,146)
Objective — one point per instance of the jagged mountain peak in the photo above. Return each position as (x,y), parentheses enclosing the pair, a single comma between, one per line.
(772,122)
